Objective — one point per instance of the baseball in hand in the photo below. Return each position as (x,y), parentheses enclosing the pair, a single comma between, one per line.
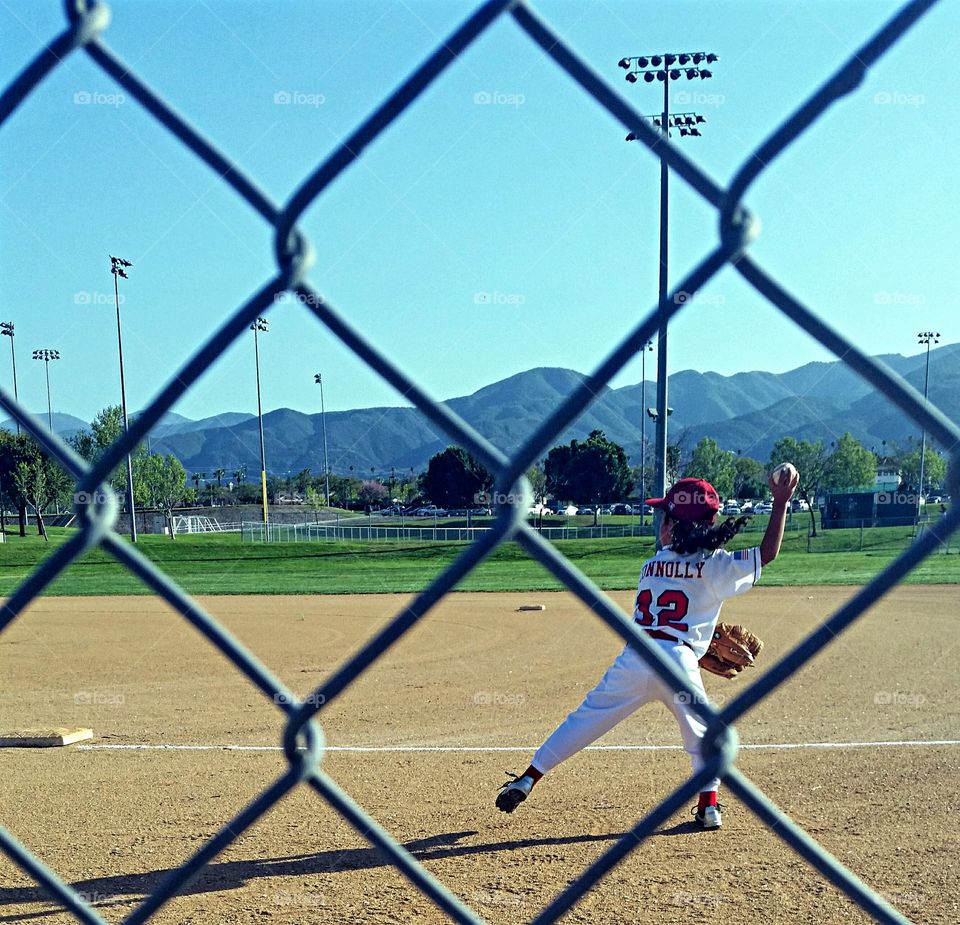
(784,473)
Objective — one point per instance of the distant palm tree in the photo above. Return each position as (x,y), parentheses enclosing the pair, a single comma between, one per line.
(198,477)
(240,475)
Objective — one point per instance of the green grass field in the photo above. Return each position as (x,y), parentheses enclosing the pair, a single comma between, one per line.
(222,564)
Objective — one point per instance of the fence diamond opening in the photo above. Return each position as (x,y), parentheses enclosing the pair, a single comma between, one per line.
(302,734)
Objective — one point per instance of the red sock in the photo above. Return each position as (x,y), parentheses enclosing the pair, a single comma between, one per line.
(532,773)
(707,798)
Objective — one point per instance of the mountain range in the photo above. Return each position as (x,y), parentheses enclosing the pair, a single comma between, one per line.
(746,412)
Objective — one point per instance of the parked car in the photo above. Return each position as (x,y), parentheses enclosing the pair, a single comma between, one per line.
(731,507)
(567,510)
(430,511)
(763,507)
(621,509)
(798,504)
(585,510)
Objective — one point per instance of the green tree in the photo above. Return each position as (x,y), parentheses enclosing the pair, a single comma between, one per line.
(595,470)
(750,480)
(14,448)
(302,481)
(343,490)
(219,474)
(197,478)
(538,482)
(934,467)
(850,466)
(105,429)
(455,479)
(713,464)
(42,482)
(166,482)
(811,463)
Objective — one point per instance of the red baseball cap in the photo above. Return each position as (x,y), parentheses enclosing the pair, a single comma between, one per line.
(689,499)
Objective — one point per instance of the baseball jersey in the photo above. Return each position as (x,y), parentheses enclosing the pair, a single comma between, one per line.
(681,595)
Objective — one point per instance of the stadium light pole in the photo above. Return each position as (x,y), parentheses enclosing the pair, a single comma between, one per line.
(323,426)
(260,325)
(666,68)
(928,338)
(6,329)
(643,425)
(47,356)
(118,268)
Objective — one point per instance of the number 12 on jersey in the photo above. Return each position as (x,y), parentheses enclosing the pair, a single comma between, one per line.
(672,606)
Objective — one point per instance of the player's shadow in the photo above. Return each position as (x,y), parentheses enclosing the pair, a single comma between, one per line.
(128,889)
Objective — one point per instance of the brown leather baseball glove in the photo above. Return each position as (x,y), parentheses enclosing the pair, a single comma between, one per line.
(732,649)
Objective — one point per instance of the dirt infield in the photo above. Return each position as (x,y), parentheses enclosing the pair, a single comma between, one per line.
(474,674)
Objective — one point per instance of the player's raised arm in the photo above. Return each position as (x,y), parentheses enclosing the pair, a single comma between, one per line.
(783,483)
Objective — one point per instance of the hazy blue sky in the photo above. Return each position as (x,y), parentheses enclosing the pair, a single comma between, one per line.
(504,179)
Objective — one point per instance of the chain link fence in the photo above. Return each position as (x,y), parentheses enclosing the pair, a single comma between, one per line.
(303,738)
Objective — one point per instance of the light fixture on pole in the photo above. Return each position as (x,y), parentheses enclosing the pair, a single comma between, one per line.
(655,414)
(664,68)
(6,329)
(118,268)
(47,356)
(260,325)
(928,338)
(323,426)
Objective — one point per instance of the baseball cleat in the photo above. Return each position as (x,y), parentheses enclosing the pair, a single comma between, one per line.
(514,792)
(710,818)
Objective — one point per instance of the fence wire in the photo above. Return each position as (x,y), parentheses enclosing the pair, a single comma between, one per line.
(303,738)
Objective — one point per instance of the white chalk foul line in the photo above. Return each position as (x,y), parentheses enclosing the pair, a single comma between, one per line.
(904,743)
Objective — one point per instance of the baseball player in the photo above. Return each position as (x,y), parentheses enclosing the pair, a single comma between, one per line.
(680,593)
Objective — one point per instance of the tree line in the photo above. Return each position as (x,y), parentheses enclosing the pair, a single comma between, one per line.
(32,480)
(592,471)
(596,471)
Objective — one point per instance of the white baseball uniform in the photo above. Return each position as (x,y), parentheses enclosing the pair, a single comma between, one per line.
(678,603)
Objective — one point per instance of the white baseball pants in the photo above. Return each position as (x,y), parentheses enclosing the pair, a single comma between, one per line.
(627,685)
